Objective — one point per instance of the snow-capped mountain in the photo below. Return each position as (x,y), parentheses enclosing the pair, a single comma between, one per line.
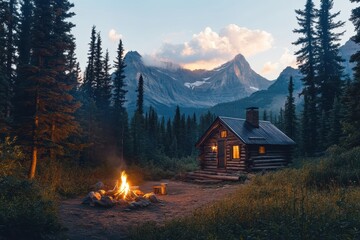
(271,99)
(274,97)
(226,90)
(168,86)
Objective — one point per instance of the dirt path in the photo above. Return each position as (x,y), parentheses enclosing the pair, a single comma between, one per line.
(85,222)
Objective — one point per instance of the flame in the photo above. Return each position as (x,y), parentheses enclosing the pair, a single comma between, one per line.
(124,188)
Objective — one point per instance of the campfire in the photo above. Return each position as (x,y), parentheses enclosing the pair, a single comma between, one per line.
(122,194)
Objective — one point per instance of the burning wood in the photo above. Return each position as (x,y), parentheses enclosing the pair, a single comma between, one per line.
(122,194)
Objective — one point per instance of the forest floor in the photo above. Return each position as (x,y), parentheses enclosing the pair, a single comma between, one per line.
(86,222)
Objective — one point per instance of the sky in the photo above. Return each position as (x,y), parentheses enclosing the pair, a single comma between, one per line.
(199,34)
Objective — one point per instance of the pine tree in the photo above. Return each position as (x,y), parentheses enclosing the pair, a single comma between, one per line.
(12,22)
(118,98)
(306,58)
(8,39)
(48,117)
(280,121)
(335,125)
(119,85)
(290,113)
(98,73)
(88,110)
(265,116)
(138,122)
(140,96)
(62,108)
(4,82)
(106,84)
(351,121)
(22,97)
(42,80)
(89,80)
(329,68)
(168,138)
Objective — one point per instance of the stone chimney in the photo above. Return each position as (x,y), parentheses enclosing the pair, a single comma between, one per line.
(252,116)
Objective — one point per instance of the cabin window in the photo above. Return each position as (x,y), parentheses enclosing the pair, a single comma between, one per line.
(262,150)
(236,152)
(214,148)
(223,134)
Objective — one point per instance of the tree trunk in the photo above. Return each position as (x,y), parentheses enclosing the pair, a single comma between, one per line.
(52,148)
(35,141)
(33,163)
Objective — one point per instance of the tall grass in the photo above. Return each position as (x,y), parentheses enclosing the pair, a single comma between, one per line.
(318,201)
(25,212)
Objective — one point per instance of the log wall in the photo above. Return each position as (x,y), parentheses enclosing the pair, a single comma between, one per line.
(275,157)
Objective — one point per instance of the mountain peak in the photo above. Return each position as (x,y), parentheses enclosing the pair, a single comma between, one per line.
(133,55)
(289,71)
(239,58)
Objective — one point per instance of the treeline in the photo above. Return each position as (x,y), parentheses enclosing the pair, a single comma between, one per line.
(57,113)
(331,111)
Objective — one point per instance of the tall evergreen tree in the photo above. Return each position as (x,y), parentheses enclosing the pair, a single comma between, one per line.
(42,79)
(89,80)
(329,68)
(22,96)
(140,96)
(4,81)
(62,108)
(48,119)
(265,115)
(138,121)
(8,40)
(104,91)
(98,73)
(290,114)
(119,113)
(87,113)
(335,124)
(12,23)
(351,121)
(306,58)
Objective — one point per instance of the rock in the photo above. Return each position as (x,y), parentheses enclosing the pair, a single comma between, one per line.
(99,185)
(92,196)
(95,195)
(151,197)
(102,192)
(138,192)
(123,203)
(105,201)
(139,203)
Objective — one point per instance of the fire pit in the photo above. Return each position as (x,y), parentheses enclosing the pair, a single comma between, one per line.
(121,195)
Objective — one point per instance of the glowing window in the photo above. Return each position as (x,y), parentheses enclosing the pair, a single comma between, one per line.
(223,134)
(236,152)
(262,150)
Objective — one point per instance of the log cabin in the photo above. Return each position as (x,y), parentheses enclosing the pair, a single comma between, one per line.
(233,145)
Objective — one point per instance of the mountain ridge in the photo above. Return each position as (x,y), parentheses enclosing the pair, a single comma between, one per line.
(233,84)
(166,88)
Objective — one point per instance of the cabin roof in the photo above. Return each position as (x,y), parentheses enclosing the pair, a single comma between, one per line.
(265,134)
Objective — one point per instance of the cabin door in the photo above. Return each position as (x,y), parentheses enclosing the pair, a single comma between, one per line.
(221,154)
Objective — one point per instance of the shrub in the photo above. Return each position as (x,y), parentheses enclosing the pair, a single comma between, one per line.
(24,212)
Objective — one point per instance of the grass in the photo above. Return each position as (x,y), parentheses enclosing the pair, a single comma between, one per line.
(320,200)
(317,199)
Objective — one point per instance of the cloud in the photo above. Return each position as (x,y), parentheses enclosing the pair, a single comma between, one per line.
(271,69)
(208,48)
(114,36)
(288,59)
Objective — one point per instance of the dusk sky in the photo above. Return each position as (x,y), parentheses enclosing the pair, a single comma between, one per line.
(200,33)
